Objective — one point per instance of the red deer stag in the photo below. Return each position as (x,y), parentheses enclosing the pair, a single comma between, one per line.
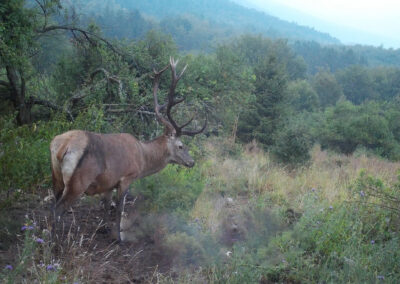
(93,163)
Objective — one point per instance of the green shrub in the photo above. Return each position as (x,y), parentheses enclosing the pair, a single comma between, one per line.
(353,242)
(24,152)
(174,189)
(293,143)
(347,127)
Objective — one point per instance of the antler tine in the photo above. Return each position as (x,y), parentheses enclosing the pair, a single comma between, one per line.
(170,122)
(195,132)
(171,100)
(173,64)
(157,107)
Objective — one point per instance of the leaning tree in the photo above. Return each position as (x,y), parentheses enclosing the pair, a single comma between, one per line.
(22,26)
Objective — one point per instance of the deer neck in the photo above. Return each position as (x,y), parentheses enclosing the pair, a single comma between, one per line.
(155,154)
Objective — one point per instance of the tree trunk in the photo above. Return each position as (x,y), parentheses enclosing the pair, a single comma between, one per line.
(17,95)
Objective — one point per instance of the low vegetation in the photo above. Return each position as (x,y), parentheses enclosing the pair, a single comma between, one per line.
(296,177)
(238,216)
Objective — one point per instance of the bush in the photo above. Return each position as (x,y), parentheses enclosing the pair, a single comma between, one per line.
(293,143)
(348,126)
(175,189)
(353,242)
(24,152)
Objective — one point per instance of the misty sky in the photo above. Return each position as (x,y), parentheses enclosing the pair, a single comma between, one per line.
(370,21)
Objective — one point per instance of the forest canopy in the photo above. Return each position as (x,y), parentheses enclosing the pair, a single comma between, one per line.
(55,60)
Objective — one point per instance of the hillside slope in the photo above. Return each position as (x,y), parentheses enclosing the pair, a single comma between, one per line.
(227,13)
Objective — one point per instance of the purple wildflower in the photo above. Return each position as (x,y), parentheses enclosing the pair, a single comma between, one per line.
(362,193)
(39,241)
(8,267)
(380,277)
(50,267)
(331,207)
(372,242)
(28,228)
(313,189)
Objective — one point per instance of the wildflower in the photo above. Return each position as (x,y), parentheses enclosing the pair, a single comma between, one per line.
(331,207)
(8,267)
(228,253)
(27,227)
(39,241)
(380,277)
(313,189)
(50,267)
(362,193)
(321,210)
(372,242)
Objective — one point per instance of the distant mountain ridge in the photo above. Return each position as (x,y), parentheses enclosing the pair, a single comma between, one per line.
(228,13)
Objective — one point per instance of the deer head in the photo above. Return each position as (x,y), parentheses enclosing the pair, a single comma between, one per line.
(178,152)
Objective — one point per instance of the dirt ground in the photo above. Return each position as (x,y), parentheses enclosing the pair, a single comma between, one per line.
(83,245)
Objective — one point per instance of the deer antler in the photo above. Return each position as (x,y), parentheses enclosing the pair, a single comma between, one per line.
(170,123)
(157,106)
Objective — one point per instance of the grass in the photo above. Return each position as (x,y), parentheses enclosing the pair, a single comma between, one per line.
(239,217)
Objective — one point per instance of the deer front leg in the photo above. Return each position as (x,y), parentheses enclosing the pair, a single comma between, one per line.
(120,210)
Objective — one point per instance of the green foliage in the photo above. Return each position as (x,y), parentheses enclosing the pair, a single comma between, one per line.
(329,57)
(302,96)
(175,189)
(25,156)
(348,126)
(263,117)
(352,242)
(356,84)
(328,89)
(293,142)
(16,32)
(220,15)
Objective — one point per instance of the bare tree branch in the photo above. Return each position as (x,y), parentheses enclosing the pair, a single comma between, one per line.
(109,78)
(49,105)
(44,10)
(85,33)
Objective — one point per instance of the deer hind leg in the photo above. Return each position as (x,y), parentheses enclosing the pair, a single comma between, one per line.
(58,185)
(74,188)
(107,198)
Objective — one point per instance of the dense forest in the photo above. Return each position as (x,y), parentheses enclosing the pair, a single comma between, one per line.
(300,129)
